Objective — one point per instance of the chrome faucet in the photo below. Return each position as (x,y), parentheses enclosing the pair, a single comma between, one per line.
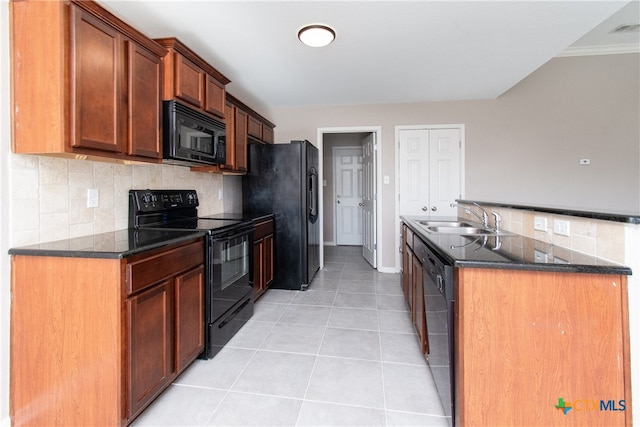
(485,216)
(497,218)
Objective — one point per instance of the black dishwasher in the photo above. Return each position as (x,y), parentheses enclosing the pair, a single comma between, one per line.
(439,303)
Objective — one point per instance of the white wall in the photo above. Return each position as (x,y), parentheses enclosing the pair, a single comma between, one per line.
(523,147)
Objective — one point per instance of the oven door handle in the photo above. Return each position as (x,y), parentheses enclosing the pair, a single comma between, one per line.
(230,235)
(234,314)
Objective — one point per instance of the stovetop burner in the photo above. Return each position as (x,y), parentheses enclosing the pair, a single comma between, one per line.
(175,210)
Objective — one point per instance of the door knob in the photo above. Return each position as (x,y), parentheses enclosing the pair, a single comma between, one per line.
(433,208)
(424,208)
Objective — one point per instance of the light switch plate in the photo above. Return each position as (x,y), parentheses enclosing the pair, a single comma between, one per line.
(93,198)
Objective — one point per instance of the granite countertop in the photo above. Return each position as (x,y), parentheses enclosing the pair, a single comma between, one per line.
(508,251)
(123,243)
(114,245)
(613,215)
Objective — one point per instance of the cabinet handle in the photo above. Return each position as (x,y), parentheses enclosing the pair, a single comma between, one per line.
(434,208)
(424,208)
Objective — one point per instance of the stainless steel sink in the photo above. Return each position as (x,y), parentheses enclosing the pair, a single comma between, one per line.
(466,230)
(460,228)
(444,224)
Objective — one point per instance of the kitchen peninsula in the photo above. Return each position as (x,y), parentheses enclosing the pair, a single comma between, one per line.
(531,323)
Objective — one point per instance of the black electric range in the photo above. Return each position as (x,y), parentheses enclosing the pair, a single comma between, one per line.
(228,257)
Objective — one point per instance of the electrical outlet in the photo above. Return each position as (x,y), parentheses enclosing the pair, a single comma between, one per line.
(540,256)
(92,198)
(540,223)
(561,227)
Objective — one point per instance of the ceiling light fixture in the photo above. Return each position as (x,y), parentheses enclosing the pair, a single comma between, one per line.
(316,35)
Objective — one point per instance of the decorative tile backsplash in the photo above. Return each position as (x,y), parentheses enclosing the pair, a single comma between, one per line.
(49,195)
(603,239)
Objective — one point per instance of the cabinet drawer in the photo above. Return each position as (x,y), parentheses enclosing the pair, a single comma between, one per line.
(263,229)
(147,271)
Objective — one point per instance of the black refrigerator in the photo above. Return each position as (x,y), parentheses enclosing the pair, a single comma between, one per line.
(283,179)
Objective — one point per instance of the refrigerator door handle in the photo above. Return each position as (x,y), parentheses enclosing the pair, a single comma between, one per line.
(312,195)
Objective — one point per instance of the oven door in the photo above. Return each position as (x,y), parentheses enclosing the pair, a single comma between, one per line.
(230,270)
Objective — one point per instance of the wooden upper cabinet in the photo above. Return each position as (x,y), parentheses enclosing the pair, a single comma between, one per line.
(214,96)
(190,79)
(241,120)
(255,127)
(96,66)
(85,84)
(267,134)
(144,110)
(259,129)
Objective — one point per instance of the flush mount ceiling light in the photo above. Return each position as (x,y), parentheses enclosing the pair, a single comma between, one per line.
(316,35)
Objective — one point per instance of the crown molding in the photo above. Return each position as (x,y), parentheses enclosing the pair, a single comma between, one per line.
(611,49)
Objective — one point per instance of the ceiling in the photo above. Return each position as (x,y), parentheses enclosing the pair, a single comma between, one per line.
(385,51)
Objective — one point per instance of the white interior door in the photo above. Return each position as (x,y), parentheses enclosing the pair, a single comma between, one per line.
(348,191)
(369,199)
(413,171)
(429,171)
(444,170)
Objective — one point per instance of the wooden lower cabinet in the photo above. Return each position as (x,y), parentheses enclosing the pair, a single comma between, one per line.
(94,340)
(263,249)
(528,340)
(413,286)
(149,347)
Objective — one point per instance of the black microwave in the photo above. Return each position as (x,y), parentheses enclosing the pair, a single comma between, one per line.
(190,137)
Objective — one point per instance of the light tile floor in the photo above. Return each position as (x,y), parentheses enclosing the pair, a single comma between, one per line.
(341,353)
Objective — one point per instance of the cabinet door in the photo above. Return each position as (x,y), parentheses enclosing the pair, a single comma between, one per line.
(406,265)
(267,134)
(189,288)
(268,261)
(189,81)
(143,113)
(241,139)
(97,97)
(215,97)
(149,343)
(254,127)
(258,268)
(230,144)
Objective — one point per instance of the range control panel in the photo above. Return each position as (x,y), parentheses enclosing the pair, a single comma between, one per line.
(161,200)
